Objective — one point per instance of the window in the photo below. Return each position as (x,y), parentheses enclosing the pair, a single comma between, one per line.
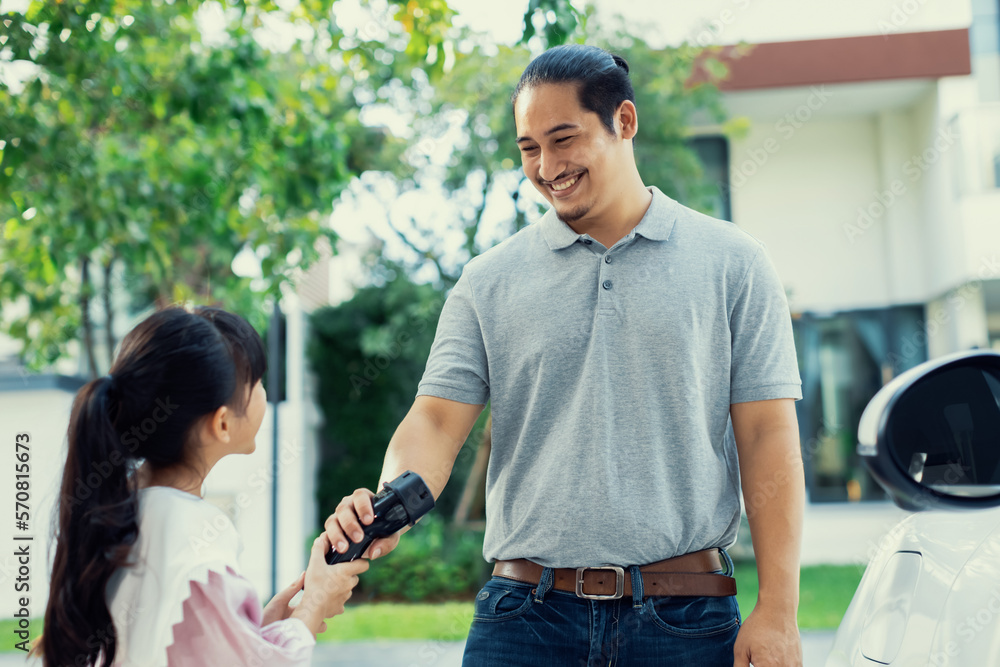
(844,359)
(713,151)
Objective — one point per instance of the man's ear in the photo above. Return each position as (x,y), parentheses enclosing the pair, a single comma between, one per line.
(628,119)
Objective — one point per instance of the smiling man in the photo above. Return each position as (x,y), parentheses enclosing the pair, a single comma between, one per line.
(639,361)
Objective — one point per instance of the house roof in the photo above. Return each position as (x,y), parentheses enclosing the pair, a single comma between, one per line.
(927,55)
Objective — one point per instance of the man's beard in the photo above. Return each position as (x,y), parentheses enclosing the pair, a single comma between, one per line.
(569,217)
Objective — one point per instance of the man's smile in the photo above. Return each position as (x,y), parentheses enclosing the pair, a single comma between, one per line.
(561,189)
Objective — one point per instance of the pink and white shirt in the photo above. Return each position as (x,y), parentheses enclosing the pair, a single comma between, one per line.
(182,600)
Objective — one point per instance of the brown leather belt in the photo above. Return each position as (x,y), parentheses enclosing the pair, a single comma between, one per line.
(690,574)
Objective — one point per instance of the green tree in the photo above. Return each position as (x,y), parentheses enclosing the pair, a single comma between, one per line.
(142,156)
(558,21)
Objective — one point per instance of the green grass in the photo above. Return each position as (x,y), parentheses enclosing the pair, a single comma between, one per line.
(825,591)
(390,620)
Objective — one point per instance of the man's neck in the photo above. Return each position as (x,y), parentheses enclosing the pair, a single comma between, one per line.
(629,209)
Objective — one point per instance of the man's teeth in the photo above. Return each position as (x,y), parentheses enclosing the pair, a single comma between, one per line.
(565,185)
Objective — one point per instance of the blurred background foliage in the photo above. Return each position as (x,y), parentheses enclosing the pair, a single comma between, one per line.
(434,562)
(141,154)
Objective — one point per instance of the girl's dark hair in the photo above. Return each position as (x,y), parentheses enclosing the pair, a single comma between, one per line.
(173,369)
(602,77)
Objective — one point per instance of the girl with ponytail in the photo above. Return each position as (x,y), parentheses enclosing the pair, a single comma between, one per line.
(135,581)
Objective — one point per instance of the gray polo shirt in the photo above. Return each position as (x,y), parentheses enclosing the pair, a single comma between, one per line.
(610,373)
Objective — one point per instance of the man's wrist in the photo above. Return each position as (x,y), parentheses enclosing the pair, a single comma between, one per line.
(786,605)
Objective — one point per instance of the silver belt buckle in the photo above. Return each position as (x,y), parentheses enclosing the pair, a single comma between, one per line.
(619,582)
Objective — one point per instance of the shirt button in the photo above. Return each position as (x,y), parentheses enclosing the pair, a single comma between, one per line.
(606,284)
(607,259)
(587,241)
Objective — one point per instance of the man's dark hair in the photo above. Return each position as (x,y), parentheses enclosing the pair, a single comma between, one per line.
(602,78)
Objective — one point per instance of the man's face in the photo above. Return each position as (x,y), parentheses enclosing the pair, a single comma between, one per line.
(567,152)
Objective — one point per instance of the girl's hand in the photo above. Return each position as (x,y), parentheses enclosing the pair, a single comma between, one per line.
(327,587)
(278,608)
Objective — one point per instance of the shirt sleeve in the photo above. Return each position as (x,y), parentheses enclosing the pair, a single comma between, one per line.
(457,367)
(764,364)
(221,626)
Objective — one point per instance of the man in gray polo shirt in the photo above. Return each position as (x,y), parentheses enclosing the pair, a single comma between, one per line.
(638,358)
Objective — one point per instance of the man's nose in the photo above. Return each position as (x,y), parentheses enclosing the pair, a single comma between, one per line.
(549,167)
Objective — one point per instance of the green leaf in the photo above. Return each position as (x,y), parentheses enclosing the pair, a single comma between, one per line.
(34,9)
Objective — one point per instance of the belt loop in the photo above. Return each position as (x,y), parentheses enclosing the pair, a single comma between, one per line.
(636,586)
(730,569)
(544,584)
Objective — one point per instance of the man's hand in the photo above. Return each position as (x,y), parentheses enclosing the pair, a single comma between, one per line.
(345,525)
(768,639)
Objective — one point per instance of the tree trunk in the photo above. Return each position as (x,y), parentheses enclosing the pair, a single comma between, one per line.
(476,481)
(109,314)
(86,324)
(472,230)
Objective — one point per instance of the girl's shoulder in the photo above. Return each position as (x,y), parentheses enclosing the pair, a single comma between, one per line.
(182,539)
(185,529)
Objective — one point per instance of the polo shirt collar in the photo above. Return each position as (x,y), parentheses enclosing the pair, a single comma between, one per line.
(655,225)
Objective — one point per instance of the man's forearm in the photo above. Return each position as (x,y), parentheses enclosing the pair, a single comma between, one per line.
(417,446)
(428,443)
(774,493)
(767,440)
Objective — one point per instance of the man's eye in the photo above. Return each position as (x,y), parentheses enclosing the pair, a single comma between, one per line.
(562,139)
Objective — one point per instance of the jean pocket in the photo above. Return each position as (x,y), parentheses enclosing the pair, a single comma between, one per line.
(502,601)
(689,616)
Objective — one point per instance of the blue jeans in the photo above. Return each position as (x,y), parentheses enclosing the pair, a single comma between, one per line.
(530,625)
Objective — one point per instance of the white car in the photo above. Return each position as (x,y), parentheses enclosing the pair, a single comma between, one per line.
(931,594)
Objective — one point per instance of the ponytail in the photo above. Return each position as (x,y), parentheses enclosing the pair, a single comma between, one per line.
(97,525)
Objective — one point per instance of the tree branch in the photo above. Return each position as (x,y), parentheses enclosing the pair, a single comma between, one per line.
(473,229)
(109,315)
(426,254)
(88,326)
